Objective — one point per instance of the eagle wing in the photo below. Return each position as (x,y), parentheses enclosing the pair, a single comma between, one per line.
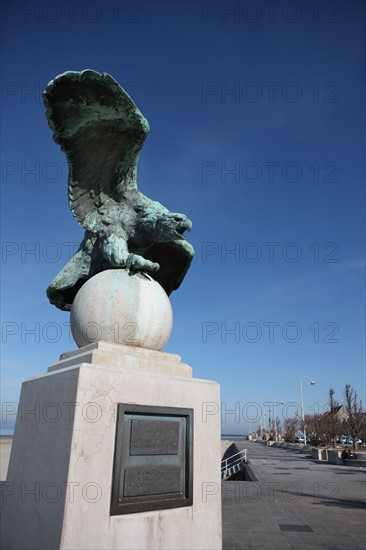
(101,131)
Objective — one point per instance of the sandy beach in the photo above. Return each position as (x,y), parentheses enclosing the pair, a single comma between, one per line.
(5,448)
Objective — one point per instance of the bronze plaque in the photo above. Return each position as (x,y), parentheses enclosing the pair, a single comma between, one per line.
(154,437)
(152,481)
(153,459)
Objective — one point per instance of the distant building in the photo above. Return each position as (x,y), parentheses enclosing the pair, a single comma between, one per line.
(338,413)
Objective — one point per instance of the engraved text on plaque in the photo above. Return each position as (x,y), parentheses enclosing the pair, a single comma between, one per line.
(153,459)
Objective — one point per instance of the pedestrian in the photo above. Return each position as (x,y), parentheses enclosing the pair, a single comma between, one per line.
(346,453)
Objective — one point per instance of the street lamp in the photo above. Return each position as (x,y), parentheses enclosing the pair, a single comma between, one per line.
(263,423)
(274,415)
(302,404)
(272,421)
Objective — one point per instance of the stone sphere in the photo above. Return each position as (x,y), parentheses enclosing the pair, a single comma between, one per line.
(116,307)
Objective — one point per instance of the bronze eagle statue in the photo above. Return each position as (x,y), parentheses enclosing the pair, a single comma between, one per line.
(101,131)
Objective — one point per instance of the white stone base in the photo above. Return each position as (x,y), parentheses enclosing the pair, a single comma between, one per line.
(58,491)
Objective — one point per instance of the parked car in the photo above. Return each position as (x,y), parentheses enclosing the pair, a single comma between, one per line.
(346,440)
(300,438)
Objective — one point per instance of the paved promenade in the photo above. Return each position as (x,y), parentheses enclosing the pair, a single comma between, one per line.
(296,503)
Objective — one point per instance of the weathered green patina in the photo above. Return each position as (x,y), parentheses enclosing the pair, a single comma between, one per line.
(101,131)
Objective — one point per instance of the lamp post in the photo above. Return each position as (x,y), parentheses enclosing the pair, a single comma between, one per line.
(302,404)
(263,423)
(272,421)
(274,404)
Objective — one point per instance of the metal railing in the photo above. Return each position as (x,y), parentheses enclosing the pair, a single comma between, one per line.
(227,464)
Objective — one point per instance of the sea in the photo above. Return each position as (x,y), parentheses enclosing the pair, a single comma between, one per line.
(6,432)
(233,436)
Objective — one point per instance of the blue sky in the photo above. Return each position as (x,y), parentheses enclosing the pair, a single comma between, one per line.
(257,134)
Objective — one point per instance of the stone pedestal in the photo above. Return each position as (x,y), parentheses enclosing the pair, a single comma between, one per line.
(58,491)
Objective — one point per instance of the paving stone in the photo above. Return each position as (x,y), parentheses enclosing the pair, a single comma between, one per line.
(327,498)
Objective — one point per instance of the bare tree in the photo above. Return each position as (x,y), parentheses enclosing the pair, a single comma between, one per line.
(334,423)
(278,428)
(355,419)
(317,426)
(290,427)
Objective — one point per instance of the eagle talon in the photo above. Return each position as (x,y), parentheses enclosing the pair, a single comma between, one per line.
(137,263)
